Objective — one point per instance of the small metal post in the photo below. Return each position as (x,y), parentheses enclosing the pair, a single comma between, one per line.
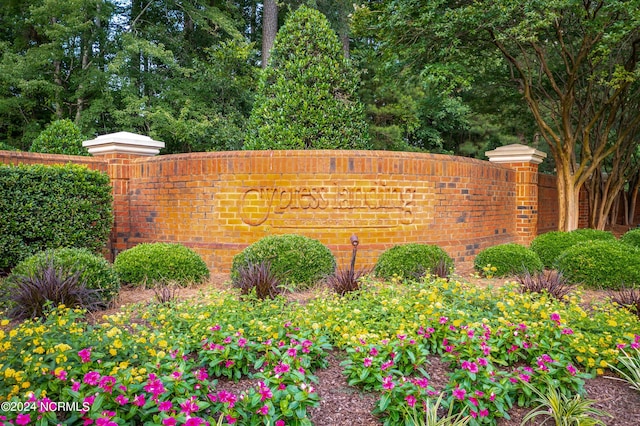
(354,243)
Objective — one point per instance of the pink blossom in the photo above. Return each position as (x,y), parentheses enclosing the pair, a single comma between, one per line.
(62,375)
(91,378)
(171,421)
(280,422)
(107,383)
(367,362)
(473,401)
(215,327)
(282,386)
(227,340)
(281,368)
(567,330)
(387,383)
(139,400)
(85,355)
(386,365)
(176,375)
(483,362)
(189,406)
(483,413)
(101,421)
(459,393)
(525,377)
(572,370)
(194,421)
(229,363)
(411,400)
(165,406)
(75,386)
(292,352)
(473,414)
(264,410)
(422,382)
(23,419)
(373,352)
(555,317)
(443,320)
(242,342)
(122,400)
(201,374)
(231,420)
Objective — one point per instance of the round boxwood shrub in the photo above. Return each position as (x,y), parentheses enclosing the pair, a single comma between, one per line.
(601,264)
(148,263)
(410,260)
(508,259)
(296,260)
(550,245)
(97,273)
(60,137)
(632,237)
(593,234)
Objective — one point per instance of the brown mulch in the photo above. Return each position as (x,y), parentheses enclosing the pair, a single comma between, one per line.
(344,405)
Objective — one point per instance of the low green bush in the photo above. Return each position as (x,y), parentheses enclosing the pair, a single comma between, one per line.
(411,261)
(632,237)
(60,137)
(593,234)
(601,264)
(95,272)
(148,263)
(296,260)
(47,207)
(508,259)
(549,246)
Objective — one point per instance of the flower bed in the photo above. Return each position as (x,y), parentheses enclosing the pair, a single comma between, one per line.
(159,363)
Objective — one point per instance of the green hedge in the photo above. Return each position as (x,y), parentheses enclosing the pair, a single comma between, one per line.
(508,259)
(97,273)
(295,259)
(47,207)
(410,260)
(147,263)
(601,264)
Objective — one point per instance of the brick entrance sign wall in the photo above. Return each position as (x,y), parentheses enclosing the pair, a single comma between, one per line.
(218,203)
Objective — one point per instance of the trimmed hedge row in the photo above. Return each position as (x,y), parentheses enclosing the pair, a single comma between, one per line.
(47,207)
(508,259)
(410,260)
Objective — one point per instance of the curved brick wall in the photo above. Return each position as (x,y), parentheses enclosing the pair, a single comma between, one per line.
(218,203)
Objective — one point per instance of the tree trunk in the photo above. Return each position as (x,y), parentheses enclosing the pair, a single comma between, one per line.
(269,29)
(568,199)
(344,38)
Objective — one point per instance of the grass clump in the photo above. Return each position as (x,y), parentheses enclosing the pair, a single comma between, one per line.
(147,263)
(508,259)
(46,285)
(258,277)
(413,261)
(550,282)
(296,260)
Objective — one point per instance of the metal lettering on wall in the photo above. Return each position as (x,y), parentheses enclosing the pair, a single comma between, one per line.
(330,206)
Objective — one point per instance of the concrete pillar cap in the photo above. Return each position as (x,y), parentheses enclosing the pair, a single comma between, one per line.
(123,143)
(516,153)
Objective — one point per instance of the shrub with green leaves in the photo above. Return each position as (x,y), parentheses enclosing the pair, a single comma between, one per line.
(60,137)
(411,261)
(296,260)
(47,207)
(601,264)
(148,263)
(549,246)
(6,147)
(307,96)
(632,237)
(508,259)
(95,272)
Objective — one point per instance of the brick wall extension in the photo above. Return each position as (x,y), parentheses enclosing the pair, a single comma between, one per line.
(218,203)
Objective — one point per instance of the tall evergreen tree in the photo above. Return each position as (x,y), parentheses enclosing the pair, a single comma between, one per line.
(307,96)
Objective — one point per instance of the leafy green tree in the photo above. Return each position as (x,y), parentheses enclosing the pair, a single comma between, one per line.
(574,62)
(307,96)
(61,137)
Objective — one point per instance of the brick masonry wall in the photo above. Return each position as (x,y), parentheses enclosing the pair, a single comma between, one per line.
(218,203)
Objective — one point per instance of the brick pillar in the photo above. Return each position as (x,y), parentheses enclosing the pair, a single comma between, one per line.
(524,160)
(118,150)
